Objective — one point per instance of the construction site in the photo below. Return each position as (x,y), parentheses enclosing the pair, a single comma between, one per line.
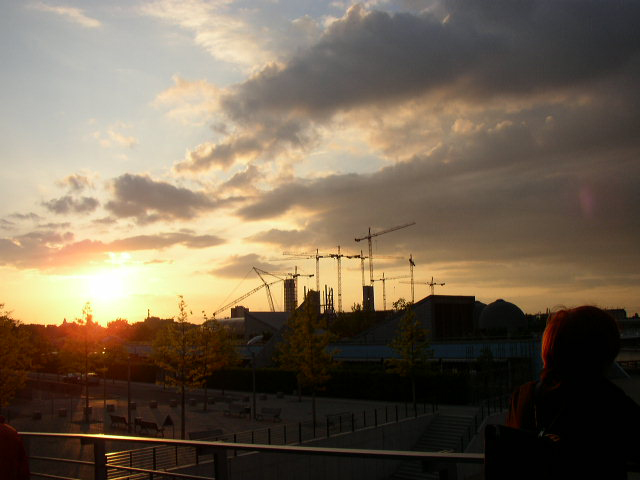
(331,299)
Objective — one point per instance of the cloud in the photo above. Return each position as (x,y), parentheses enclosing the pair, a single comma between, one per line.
(283,238)
(189,102)
(113,136)
(75,15)
(223,34)
(457,53)
(68,204)
(76,183)
(165,240)
(26,216)
(238,266)
(244,181)
(53,250)
(147,200)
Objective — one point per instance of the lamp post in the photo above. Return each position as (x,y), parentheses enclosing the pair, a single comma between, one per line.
(250,344)
(129,392)
(104,380)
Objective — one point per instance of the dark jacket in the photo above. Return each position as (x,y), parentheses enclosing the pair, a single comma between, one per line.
(597,425)
(14,464)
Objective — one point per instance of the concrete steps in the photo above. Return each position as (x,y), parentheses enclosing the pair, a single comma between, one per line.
(444,433)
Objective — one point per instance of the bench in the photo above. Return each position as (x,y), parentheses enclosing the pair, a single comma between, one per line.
(146,427)
(118,421)
(236,410)
(273,413)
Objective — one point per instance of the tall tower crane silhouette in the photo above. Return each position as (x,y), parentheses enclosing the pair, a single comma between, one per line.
(384,287)
(370,235)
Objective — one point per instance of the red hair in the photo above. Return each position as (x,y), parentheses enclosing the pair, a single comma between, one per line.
(578,343)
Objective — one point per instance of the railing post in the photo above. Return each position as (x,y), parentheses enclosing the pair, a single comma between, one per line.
(99,459)
(220,464)
(375,417)
(155,462)
(396,413)
(269,436)
(353,422)
(300,432)
(328,433)
(284,431)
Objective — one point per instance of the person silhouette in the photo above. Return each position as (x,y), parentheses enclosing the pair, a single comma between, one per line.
(14,464)
(594,425)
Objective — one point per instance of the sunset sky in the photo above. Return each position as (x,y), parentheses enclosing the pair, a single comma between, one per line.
(152,149)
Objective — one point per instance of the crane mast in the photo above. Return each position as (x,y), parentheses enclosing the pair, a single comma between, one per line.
(384,288)
(370,235)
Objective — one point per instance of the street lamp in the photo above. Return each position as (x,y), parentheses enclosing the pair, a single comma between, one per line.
(250,344)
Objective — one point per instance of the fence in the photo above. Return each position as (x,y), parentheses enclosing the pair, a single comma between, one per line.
(220,451)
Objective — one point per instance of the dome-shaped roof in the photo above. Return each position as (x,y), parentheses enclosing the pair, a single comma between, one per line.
(501,314)
(478,307)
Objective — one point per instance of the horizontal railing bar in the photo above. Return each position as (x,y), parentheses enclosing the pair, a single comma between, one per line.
(56,459)
(48,475)
(453,457)
(161,472)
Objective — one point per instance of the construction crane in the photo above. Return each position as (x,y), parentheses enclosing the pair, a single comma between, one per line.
(370,235)
(431,284)
(290,296)
(259,272)
(384,287)
(237,300)
(411,265)
(362,258)
(316,255)
(338,256)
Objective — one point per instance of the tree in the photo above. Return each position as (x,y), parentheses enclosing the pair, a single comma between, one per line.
(214,352)
(304,348)
(14,357)
(411,345)
(174,350)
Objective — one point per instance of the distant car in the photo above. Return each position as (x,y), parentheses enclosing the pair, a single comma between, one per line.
(93,379)
(72,378)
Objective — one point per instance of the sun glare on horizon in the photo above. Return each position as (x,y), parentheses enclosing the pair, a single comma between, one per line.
(107,285)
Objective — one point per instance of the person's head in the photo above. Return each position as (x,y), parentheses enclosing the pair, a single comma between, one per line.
(579,343)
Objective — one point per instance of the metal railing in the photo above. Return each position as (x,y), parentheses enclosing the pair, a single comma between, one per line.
(221,451)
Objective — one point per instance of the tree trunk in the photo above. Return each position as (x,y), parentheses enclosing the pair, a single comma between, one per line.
(313,407)
(413,394)
(182,412)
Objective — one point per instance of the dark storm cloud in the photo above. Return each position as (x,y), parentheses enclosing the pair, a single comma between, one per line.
(148,200)
(481,49)
(492,197)
(239,266)
(59,250)
(458,50)
(68,204)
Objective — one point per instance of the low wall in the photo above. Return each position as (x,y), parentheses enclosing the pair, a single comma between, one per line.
(394,436)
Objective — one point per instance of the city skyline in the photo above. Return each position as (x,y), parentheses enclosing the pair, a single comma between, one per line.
(161,148)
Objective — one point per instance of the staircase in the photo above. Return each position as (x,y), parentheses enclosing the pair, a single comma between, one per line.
(444,433)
